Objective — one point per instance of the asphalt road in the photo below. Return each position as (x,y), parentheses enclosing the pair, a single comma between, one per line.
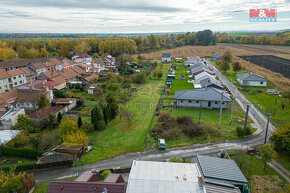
(125,161)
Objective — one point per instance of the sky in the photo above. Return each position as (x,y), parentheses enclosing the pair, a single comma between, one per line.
(137,16)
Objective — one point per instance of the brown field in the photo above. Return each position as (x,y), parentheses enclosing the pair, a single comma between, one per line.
(277,79)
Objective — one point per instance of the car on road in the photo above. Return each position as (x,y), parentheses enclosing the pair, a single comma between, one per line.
(161,144)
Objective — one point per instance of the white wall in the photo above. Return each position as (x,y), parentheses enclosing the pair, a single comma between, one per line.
(253,83)
(204,104)
(4,85)
(166,59)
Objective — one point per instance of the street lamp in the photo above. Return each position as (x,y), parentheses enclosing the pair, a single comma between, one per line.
(269,116)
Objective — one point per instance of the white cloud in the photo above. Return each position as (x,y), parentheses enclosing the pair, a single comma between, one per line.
(90,16)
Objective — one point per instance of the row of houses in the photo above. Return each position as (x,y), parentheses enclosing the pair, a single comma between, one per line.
(207,175)
(22,82)
(208,92)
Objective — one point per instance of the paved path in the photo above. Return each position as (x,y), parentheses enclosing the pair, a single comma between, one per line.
(126,160)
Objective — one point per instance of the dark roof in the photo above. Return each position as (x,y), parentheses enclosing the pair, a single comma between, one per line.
(220,188)
(19,63)
(250,76)
(195,71)
(206,94)
(217,56)
(54,157)
(68,148)
(166,55)
(220,169)
(86,187)
(209,81)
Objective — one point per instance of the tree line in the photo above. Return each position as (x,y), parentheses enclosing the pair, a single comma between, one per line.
(66,47)
(282,38)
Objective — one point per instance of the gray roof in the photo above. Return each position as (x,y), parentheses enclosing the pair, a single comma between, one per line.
(219,188)
(207,81)
(197,65)
(220,169)
(166,55)
(216,56)
(250,76)
(197,70)
(202,94)
(193,61)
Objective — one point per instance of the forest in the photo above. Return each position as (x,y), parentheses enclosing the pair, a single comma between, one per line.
(66,47)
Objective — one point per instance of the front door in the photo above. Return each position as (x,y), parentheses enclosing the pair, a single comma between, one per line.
(209,103)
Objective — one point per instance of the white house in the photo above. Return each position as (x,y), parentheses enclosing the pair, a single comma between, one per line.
(209,97)
(9,119)
(18,77)
(4,83)
(166,57)
(251,79)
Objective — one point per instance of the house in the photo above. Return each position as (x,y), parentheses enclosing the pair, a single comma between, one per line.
(166,57)
(41,85)
(9,119)
(57,63)
(273,91)
(251,79)
(95,90)
(79,61)
(84,56)
(202,74)
(69,74)
(67,103)
(222,171)
(38,67)
(57,82)
(18,64)
(43,113)
(91,78)
(192,61)
(216,57)
(30,74)
(161,177)
(64,154)
(18,78)
(193,66)
(7,99)
(208,97)
(4,81)
(7,135)
(200,69)
(207,81)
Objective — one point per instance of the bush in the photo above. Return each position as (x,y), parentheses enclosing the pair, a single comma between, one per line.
(184,120)
(87,127)
(19,140)
(240,131)
(170,134)
(49,141)
(193,130)
(34,141)
(176,159)
(104,174)
(20,167)
(21,152)
(138,78)
(281,138)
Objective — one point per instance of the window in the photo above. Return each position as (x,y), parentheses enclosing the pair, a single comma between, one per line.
(261,82)
(20,82)
(197,101)
(15,83)
(19,76)
(0,87)
(189,101)
(216,102)
(223,103)
(14,77)
(181,101)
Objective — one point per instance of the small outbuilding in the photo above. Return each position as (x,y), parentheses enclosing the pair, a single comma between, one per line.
(216,57)
(166,57)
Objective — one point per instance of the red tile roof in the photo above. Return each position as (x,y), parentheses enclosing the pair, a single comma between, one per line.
(38,65)
(86,187)
(58,80)
(49,64)
(22,63)
(68,73)
(44,112)
(28,72)
(15,72)
(55,61)
(51,73)
(29,95)
(79,60)
(4,74)
(78,70)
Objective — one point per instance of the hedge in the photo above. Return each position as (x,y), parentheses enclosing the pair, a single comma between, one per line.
(20,167)
(21,152)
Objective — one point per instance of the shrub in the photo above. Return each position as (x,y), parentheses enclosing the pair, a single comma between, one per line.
(87,127)
(167,91)
(281,138)
(49,141)
(21,152)
(78,137)
(184,120)
(187,160)
(193,130)
(138,78)
(104,174)
(68,126)
(170,134)
(240,131)
(176,159)
(19,140)
(166,121)
(34,141)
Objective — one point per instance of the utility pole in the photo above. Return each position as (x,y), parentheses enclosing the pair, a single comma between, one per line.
(199,112)
(221,110)
(246,118)
(233,111)
(269,116)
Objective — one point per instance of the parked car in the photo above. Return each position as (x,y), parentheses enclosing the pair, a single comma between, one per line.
(161,143)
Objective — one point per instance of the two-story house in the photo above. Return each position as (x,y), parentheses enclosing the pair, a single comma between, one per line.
(38,67)
(4,84)
(18,78)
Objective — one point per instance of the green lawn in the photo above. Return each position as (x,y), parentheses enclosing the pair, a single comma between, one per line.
(42,187)
(209,118)
(262,100)
(178,83)
(118,138)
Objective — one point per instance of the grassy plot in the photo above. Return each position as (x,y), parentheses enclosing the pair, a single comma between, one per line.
(261,181)
(262,100)
(42,187)
(118,138)
(284,159)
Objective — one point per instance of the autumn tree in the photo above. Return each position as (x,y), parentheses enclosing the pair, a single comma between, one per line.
(24,123)
(227,56)
(225,65)
(67,126)
(236,67)
(43,101)
(281,138)
(267,153)
(77,137)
